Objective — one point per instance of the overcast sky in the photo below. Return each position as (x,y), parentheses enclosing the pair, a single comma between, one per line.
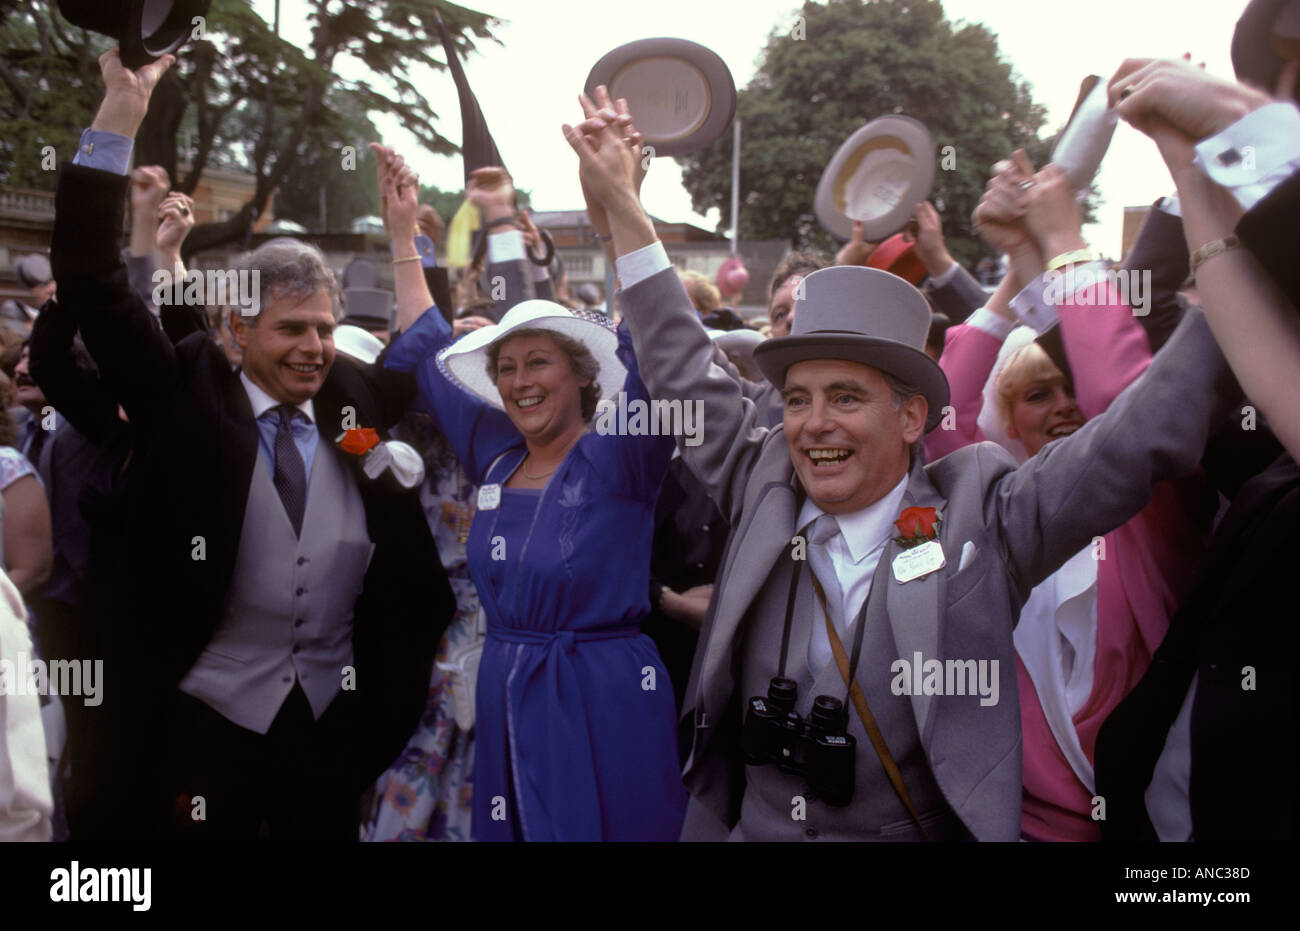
(528,86)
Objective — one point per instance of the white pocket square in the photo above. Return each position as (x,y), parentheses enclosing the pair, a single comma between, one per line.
(967,553)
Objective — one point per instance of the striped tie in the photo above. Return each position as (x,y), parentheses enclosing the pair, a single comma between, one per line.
(290,478)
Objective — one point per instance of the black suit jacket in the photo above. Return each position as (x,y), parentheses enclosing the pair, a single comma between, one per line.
(1271,230)
(193,450)
(1238,618)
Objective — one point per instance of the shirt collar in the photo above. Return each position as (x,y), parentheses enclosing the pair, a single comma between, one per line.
(263,402)
(866,530)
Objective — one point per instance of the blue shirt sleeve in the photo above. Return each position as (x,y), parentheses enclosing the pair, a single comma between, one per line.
(477,431)
(105,151)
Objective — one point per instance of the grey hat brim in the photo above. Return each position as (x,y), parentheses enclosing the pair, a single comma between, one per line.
(910,366)
(699,65)
(847,164)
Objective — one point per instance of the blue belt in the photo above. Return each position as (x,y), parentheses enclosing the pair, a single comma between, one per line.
(566,638)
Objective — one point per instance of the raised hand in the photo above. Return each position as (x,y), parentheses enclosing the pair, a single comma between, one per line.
(177,215)
(931,248)
(1052,213)
(999,218)
(607,165)
(149,184)
(126,93)
(384,156)
(1177,104)
(857,250)
(401,192)
(491,189)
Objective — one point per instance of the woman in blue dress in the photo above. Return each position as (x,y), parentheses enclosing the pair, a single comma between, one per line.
(575,719)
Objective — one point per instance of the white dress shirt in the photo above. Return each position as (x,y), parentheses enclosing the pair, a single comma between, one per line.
(855,552)
(1056,639)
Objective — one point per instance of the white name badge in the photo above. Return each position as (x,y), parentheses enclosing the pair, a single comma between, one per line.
(919,561)
(489,497)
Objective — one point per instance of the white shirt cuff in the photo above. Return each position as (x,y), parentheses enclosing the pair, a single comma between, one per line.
(1254,154)
(993,324)
(1035,305)
(938,281)
(641,264)
(506,246)
(539,272)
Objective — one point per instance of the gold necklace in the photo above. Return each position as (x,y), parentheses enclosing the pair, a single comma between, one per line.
(529,475)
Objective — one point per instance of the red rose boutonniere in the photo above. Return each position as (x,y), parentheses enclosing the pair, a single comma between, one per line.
(359,440)
(917,526)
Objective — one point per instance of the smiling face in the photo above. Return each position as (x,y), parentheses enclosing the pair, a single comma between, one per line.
(288,349)
(1037,404)
(538,386)
(848,444)
(1043,411)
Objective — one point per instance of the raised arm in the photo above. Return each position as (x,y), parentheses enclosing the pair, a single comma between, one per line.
(135,359)
(673,351)
(1187,112)
(79,395)
(1089,483)
(969,353)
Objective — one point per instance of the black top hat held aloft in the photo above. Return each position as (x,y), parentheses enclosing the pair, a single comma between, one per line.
(145,30)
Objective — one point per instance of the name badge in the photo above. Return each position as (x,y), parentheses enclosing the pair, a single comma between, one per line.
(489,497)
(919,561)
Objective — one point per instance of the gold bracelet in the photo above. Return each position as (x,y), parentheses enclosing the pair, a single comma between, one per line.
(409,258)
(1073,257)
(1213,248)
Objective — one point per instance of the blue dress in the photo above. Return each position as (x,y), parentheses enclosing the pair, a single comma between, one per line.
(575,728)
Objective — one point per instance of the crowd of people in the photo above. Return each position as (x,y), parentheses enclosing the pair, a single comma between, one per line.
(943,561)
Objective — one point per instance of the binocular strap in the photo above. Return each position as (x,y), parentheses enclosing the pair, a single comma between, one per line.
(848,671)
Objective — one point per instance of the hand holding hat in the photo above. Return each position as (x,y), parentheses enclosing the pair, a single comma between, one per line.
(857,250)
(126,93)
(931,247)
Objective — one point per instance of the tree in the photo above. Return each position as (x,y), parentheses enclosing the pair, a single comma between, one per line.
(240,96)
(842,64)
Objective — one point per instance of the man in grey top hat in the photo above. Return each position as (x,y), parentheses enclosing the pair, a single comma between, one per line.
(847,552)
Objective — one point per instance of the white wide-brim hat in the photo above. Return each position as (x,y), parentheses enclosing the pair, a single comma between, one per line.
(465,361)
(878,176)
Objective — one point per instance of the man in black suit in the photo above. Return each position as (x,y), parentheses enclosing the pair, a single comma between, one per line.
(1204,746)
(273,611)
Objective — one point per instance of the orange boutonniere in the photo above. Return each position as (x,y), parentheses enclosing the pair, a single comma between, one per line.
(359,440)
(917,526)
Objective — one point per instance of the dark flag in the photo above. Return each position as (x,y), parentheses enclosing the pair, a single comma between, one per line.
(476,143)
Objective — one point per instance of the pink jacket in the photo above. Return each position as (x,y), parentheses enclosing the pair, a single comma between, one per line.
(1149,561)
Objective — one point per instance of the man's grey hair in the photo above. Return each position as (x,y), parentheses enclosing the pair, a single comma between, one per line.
(900,389)
(290,268)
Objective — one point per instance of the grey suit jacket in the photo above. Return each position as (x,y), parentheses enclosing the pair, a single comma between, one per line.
(959,297)
(1023,523)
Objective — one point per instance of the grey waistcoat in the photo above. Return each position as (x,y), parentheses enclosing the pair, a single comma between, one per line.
(876,812)
(288,612)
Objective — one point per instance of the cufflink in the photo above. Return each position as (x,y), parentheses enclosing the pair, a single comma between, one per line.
(88,148)
(1229,157)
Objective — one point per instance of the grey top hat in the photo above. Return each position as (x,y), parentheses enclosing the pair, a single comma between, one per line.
(368,308)
(860,315)
(33,270)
